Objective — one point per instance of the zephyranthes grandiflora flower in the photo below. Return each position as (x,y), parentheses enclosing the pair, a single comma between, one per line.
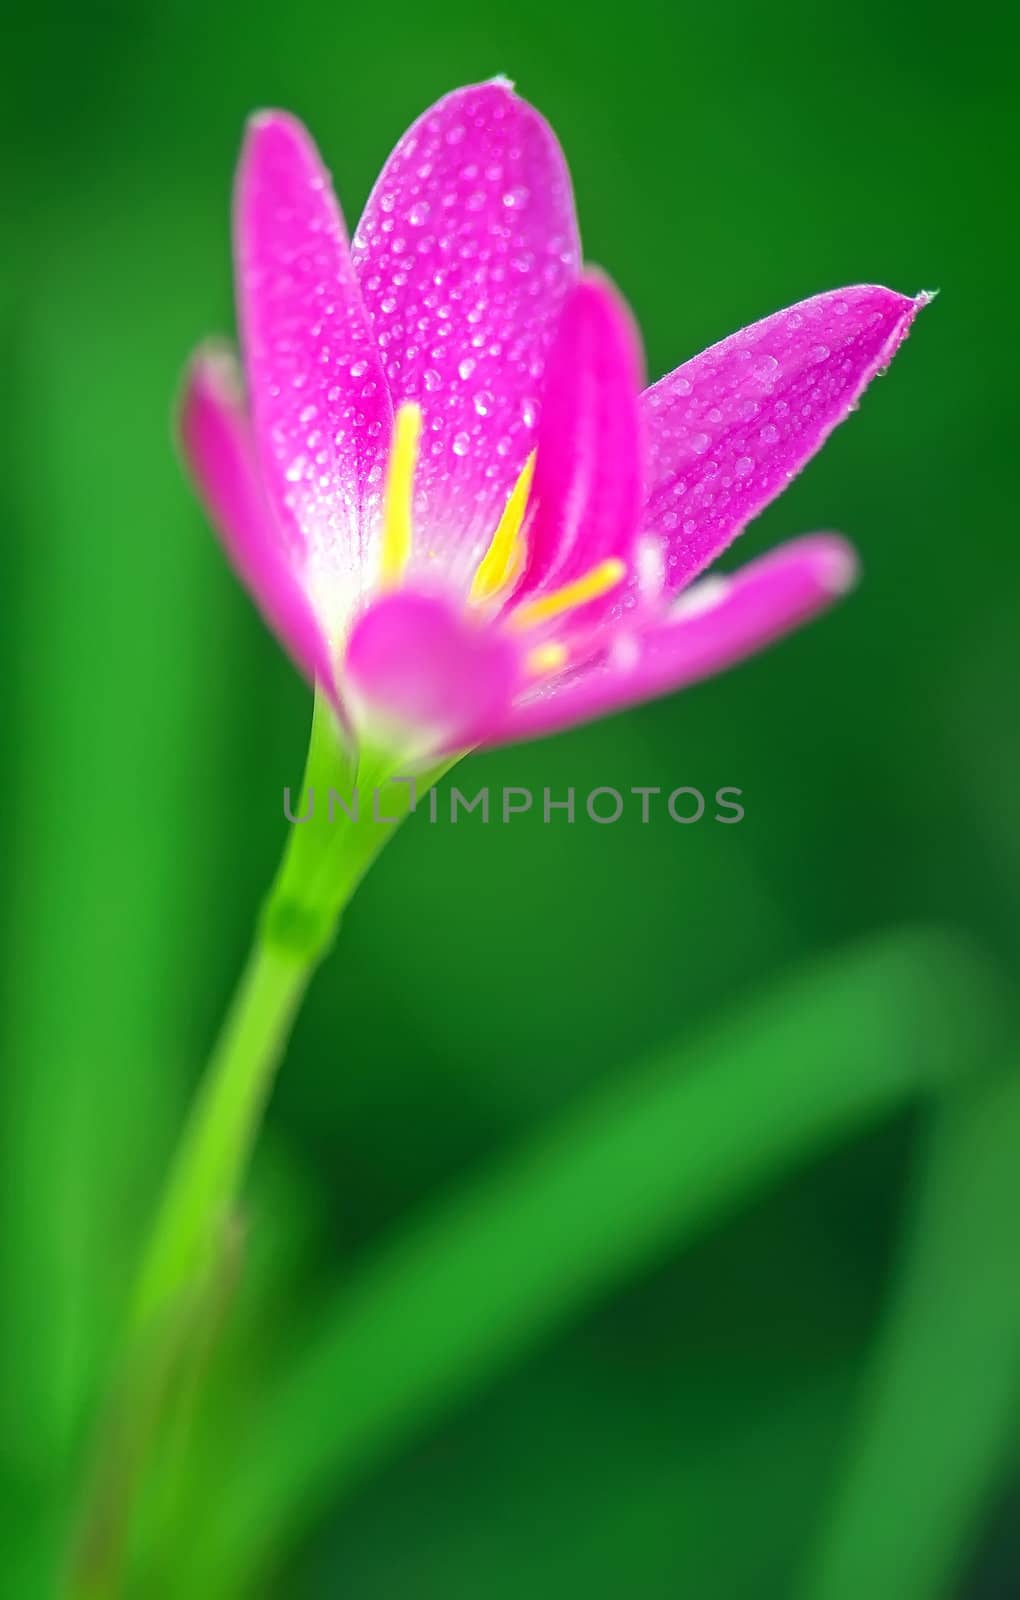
(442,479)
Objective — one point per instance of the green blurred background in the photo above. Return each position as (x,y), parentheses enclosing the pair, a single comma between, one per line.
(684,1428)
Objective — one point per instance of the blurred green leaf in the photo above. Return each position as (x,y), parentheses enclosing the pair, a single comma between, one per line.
(938,1417)
(615,1459)
(631,1174)
(595,1488)
(121,729)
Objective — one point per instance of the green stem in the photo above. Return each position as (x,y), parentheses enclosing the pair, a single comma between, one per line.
(325,859)
(218,1139)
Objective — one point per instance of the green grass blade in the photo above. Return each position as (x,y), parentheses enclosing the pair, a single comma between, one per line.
(637,1170)
(937,1423)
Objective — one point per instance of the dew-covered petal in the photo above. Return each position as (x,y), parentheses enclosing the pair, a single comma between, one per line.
(586,496)
(728,430)
(465,253)
(219,450)
(321,408)
(716,625)
(426,677)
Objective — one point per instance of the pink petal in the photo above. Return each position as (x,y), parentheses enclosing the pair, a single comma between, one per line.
(427,674)
(586,497)
(219,449)
(729,429)
(465,253)
(321,407)
(717,625)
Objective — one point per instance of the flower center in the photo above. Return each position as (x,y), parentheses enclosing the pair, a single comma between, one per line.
(503,560)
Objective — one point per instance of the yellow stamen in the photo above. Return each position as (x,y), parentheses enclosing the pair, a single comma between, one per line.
(597,582)
(397,499)
(546,658)
(502,561)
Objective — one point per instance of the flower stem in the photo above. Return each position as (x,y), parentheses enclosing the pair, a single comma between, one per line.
(221,1131)
(327,855)
(317,876)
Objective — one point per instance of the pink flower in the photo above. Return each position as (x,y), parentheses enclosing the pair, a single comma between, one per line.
(447,491)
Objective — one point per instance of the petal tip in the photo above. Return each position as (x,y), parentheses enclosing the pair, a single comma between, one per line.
(906,309)
(264,119)
(211,377)
(837,566)
(267,120)
(271,136)
(911,304)
(214,362)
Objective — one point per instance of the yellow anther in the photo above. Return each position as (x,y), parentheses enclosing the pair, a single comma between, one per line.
(597,582)
(546,658)
(502,561)
(397,499)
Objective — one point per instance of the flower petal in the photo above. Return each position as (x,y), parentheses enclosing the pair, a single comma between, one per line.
(218,446)
(424,676)
(465,253)
(728,430)
(715,626)
(586,496)
(321,407)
